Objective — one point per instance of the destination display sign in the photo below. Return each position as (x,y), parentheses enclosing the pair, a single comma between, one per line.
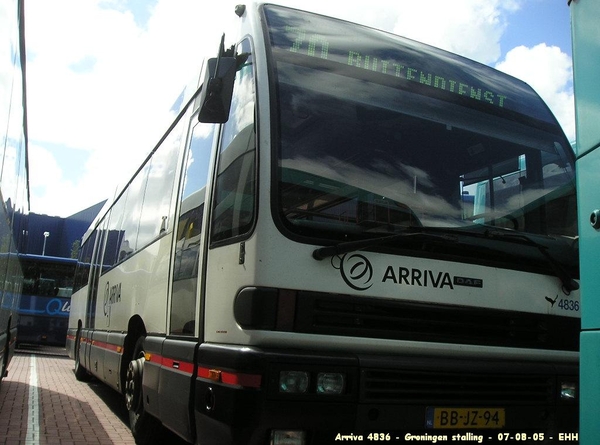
(418,66)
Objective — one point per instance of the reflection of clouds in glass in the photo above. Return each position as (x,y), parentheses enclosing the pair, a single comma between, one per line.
(242,106)
(188,163)
(396,170)
(10,171)
(244,102)
(11,110)
(159,188)
(201,132)
(551,170)
(522,200)
(200,135)
(410,191)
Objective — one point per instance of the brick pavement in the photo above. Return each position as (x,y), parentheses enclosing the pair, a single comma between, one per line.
(53,408)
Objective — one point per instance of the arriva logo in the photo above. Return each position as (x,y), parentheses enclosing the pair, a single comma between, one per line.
(112,295)
(356,270)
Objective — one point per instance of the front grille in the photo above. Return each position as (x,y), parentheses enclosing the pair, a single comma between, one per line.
(402,320)
(440,388)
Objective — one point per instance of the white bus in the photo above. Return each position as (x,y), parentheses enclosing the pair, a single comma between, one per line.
(343,233)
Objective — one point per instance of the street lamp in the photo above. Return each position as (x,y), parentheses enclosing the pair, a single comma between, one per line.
(46,235)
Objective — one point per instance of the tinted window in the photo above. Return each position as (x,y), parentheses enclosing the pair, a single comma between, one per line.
(131,217)
(158,193)
(114,232)
(189,231)
(378,133)
(234,199)
(84,263)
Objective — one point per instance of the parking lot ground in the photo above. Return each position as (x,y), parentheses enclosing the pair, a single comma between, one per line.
(41,403)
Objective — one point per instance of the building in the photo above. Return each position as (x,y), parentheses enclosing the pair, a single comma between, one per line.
(63,234)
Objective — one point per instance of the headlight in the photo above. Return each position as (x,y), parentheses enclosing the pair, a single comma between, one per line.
(568,390)
(294,382)
(331,383)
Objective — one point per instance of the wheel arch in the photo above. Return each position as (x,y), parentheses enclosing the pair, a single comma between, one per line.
(135,329)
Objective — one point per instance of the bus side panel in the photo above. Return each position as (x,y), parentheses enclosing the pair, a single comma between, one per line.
(586,66)
(12,345)
(150,382)
(177,376)
(70,342)
(586,49)
(112,359)
(169,372)
(77,311)
(136,286)
(97,349)
(84,348)
(153,305)
(4,350)
(590,352)
(8,344)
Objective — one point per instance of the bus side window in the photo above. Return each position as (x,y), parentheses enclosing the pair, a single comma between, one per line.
(114,232)
(82,272)
(131,218)
(234,196)
(189,230)
(158,193)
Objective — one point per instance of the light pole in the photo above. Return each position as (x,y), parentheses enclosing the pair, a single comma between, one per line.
(46,235)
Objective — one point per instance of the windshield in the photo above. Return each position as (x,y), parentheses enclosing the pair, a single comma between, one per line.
(377,134)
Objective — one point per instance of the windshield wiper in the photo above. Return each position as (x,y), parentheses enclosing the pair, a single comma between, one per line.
(569,284)
(350,246)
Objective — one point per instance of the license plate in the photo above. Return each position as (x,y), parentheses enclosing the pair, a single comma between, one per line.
(465,418)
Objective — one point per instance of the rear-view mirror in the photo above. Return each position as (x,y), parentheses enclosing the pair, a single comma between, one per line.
(217,90)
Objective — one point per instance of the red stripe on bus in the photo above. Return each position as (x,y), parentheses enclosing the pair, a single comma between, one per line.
(231,378)
(225,377)
(154,358)
(186,367)
(106,346)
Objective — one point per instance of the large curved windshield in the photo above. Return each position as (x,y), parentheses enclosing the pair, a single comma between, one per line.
(377,133)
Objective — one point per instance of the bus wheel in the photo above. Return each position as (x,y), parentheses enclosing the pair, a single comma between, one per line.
(143,426)
(80,372)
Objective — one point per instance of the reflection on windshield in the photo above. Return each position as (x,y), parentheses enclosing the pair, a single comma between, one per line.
(359,153)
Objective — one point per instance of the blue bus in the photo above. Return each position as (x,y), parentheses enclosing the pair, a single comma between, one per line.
(45,300)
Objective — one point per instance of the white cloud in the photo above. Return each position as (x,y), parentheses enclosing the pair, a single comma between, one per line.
(549,72)
(101,82)
(47,183)
(472,28)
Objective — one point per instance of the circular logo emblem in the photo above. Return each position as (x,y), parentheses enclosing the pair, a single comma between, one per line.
(356,270)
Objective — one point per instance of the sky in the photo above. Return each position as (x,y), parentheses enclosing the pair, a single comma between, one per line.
(102,75)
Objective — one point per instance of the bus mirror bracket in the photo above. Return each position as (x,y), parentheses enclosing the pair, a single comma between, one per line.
(217,88)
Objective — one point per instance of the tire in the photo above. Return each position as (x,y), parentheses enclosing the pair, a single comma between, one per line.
(4,367)
(81,373)
(144,427)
